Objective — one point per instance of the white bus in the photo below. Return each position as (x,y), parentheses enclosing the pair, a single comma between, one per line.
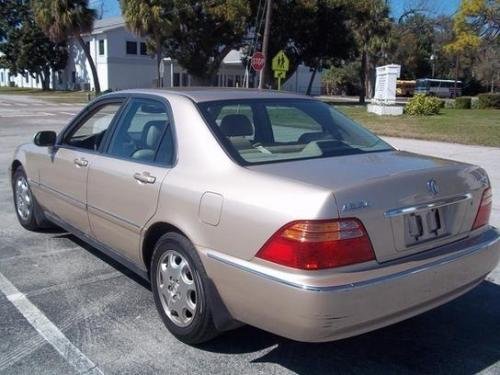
(443,88)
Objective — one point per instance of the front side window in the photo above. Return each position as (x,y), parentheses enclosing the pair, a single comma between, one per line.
(263,131)
(89,134)
(101,47)
(142,133)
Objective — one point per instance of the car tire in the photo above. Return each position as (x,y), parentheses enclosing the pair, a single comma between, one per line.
(180,289)
(28,211)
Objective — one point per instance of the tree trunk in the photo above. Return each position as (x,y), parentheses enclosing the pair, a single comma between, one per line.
(93,69)
(368,78)
(45,78)
(362,77)
(457,60)
(311,80)
(158,61)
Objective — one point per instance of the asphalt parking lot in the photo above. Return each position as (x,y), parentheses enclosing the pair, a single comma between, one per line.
(105,319)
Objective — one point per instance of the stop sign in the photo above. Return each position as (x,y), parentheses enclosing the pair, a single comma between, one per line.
(258,61)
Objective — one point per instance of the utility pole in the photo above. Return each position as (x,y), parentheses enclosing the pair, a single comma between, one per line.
(265,43)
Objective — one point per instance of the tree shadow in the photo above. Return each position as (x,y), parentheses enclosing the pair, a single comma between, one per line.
(461,337)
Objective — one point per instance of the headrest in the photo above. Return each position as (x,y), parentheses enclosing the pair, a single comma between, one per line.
(154,130)
(236,125)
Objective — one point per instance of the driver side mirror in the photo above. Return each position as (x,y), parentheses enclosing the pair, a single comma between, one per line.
(45,138)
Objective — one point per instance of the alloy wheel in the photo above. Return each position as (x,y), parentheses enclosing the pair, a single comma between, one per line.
(177,288)
(24,200)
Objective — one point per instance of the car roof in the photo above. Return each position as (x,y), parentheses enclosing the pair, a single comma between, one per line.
(206,94)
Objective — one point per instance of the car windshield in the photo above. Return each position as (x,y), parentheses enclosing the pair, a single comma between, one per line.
(257,131)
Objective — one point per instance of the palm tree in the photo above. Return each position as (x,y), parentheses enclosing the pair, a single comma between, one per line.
(67,18)
(371,25)
(148,18)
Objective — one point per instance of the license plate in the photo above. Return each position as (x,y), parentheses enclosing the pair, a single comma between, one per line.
(423,226)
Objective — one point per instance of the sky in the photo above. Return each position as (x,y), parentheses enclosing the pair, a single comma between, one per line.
(111,8)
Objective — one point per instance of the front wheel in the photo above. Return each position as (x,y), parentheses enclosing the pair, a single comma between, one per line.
(179,285)
(29,213)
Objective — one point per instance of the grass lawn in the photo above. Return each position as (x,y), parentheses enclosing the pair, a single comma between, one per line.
(467,126)
(53,96)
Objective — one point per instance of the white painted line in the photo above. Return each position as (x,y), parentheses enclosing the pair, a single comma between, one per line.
(47,329)
(69,113)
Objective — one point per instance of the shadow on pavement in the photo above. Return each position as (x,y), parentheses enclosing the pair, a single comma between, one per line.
(113,263)
(461,337)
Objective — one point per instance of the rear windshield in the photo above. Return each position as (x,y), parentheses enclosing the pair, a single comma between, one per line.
(264,131)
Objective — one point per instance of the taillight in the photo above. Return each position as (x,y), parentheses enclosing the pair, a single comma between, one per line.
(319,244)
(484,211)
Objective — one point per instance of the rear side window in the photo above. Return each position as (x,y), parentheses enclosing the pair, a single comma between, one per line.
(143,133)
(256,131)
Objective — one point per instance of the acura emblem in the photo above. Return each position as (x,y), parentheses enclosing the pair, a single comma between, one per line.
(433,187)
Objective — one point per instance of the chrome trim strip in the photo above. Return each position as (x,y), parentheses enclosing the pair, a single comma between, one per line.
(436,204)
(66,197)
(97,211)
(492,238)
(117,219)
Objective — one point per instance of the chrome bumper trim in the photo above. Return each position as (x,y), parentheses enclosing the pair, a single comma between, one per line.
(484,240)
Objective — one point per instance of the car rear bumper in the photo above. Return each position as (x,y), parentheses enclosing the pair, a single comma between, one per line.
(324,308)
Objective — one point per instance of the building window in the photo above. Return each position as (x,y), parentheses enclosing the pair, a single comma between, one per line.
(1,77)
(144,50)
(131,48)
(87,46)
(26,77)
(73,76)
(101,47)
(60,77)
(37,79)
(177,79)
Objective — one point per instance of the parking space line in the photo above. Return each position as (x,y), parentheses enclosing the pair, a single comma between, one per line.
(47,329)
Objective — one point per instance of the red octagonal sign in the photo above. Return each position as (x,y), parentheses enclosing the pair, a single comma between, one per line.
(258,61)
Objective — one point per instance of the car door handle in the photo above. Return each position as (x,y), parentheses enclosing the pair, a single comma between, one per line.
(145,177)
(81,162)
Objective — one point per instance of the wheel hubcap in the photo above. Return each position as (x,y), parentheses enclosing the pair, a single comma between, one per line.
(177,288)
(23,198)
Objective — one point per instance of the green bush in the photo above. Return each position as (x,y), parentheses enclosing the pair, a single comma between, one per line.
(489,100)
(462,102)
(422,105)
(450,104)
(442,103)
(474,103)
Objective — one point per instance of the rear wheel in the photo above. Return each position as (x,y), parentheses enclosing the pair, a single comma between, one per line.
(179,284)
(29,213)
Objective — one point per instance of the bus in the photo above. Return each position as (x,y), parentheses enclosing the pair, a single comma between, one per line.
(405,88)
(443,88)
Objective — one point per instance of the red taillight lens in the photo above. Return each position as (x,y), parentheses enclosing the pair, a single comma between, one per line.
(484,211)
(319,244)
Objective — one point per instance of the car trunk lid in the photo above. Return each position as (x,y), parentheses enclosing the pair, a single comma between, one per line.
(407,202)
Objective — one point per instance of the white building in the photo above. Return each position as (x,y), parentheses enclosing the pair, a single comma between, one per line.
(122,62)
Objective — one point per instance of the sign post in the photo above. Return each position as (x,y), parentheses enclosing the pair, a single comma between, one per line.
(280,65)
